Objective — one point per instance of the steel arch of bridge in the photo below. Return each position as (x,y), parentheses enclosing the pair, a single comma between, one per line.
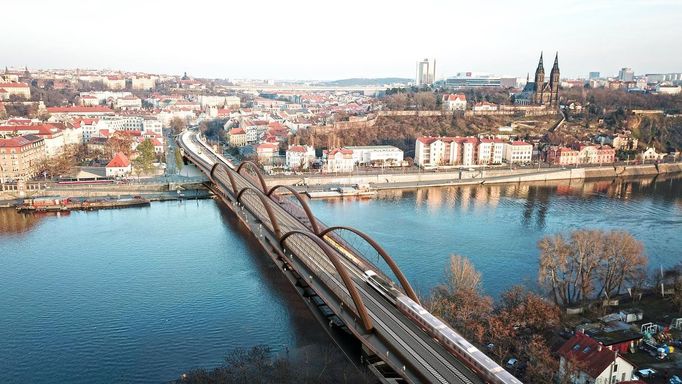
(306,208)
(268,208)
(387,258)
(345,277)
(228,171)
(254,167)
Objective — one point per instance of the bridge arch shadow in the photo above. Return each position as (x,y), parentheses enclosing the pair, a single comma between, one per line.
(384,255)
(314,226)
(341,270)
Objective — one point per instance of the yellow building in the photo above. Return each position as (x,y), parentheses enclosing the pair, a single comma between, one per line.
(20,157)
(14,88)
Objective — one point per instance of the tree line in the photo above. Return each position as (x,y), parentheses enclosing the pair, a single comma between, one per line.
(573,269)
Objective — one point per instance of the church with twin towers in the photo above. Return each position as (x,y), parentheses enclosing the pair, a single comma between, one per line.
(541,92)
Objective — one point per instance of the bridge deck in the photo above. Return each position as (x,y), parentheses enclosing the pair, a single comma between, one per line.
(395,335)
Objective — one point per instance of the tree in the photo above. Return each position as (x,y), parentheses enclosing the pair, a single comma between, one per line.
(542,366)
(177,125)
(397,101)
(570,269)
(459,301)
(527,310)
(623,261)
(59,165)
(119,142)
(178,160)
(554,274)
(462,275)
(144,162)
(425,101)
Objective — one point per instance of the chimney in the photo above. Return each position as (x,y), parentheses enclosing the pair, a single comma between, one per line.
(599,348)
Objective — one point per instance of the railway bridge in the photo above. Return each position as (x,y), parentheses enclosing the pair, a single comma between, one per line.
(328,270)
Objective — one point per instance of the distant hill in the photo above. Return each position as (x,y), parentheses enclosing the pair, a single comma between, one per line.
(363,81)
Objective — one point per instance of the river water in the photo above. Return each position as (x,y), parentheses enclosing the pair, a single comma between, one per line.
(141,295)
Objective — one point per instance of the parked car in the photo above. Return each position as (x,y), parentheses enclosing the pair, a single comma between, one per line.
(512,362)
(646,373)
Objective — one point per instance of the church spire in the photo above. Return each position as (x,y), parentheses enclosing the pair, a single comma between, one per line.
(540,63)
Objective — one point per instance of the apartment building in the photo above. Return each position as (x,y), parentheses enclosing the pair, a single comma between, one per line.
(518,152)
(20,157)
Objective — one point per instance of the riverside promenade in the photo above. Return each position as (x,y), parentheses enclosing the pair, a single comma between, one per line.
(472,176)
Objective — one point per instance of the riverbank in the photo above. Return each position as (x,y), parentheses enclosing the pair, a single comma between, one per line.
(477,176)
(197,192)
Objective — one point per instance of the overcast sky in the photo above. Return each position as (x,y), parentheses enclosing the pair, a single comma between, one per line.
(328,39)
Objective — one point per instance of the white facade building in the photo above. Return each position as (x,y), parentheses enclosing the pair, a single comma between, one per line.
(128,102)
(219,101)
(490,151)
(299,156)
(455,102)
(518,152)
(376,154)
(340,160)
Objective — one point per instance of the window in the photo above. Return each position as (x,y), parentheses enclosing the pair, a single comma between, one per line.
(615,367)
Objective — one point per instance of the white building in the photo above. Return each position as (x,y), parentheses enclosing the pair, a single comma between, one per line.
(88,100)
(650,154)
(266,152)
(518,152)
(114,82)
(219,101)
(490,151)
(15,89)
(144,83)
(484,106)
(426,72)
(340,160)
(669,89)
(299,156)
(152,125)
(455,102)
(119,166)
(128,102)
(376,155)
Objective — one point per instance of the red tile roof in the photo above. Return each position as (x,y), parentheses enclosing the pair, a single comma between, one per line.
(593,357)
(297,148)
(119,161)
(343,151)
(13,85)
(266,146)
(17,142)
(236,131)
(456,96)
(519,143)
(76,109)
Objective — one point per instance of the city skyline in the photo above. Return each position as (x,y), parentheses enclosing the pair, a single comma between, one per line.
(309,41)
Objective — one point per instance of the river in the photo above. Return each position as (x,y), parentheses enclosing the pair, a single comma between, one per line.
(142,294)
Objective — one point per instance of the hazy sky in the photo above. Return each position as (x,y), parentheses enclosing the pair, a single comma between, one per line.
(332,39)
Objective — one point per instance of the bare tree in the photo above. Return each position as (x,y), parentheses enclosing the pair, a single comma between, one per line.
(555,273)
(623,261)
(462,275)
(570,270)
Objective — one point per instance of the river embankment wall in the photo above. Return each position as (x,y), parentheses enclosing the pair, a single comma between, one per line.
(480,176)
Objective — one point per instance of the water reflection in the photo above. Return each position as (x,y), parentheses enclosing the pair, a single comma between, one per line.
(12,222)
(498,226)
